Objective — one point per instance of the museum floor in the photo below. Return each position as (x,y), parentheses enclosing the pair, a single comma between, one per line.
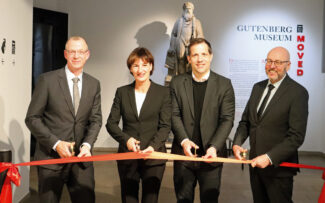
(235,187)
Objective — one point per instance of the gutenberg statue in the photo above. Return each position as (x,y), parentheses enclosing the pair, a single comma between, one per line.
(185,28)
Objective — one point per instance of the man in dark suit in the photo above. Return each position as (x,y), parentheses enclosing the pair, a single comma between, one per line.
(203,112)
(65,117)
(275,119)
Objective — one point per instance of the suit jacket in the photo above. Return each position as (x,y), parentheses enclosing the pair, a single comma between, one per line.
(281,129)
(151,127)
(51,115)
(217,113)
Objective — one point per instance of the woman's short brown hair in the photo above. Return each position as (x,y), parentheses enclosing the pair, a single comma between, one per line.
(140,53)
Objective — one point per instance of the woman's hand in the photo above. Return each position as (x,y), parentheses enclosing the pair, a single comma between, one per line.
(133,145)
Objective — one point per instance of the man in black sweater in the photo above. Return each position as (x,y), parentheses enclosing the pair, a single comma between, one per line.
(203,113)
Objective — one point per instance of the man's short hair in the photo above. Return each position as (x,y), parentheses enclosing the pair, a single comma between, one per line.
(75,38)
(140,53)
(196,41)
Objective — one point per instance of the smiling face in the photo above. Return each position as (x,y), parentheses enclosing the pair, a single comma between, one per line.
(200,59)
(140,70)
(76,53)
(276,72)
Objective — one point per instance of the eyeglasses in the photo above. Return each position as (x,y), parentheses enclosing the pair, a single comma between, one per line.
(74,52)
(276,63)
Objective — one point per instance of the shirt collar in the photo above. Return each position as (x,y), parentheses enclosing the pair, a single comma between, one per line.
(203,79)
(277,84)
(70,75)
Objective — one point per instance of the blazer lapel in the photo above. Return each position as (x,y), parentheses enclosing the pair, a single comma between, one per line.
(65,89)
(132,99)
(149,97)
(258,97)
(282,88)
(189,92)
(209,92)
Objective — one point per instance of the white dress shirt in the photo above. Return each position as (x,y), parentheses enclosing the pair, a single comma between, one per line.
(273,91)
(203,79)
(70,76)
(139,99)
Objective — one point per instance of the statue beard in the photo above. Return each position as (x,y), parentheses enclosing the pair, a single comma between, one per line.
(187,16)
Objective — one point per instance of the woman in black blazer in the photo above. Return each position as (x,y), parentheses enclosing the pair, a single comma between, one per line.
(145,108)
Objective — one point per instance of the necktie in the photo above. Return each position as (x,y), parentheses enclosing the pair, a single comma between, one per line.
(76,96)
(266,98)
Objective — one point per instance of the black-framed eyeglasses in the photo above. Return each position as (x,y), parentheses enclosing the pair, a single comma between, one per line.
(276,62)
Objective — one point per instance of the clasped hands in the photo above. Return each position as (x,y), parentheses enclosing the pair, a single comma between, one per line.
(261,161)
(64,150)
(134,146)
(188,145)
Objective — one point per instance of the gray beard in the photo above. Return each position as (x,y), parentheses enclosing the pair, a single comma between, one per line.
(187,17)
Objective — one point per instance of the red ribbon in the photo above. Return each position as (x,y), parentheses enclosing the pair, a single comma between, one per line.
(14,176)
(321,198)
(322,194)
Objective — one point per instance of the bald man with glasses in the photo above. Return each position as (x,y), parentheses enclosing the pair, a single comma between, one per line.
(275,120)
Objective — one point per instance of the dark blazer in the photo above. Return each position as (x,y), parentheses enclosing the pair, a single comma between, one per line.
(281,129)
(51,115)
(151,127)
(217,112)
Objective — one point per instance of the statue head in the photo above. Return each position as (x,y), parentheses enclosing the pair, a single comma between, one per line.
(188,9)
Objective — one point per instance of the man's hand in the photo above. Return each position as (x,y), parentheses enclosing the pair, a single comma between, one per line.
(211,153)
(84,151)
(63,149)
(133,145)
(237,150)
(261,161)
(187,146)
(148,149)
